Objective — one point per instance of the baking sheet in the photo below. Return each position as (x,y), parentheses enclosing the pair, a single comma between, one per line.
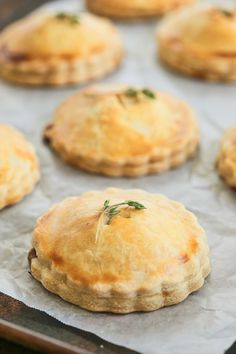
(206,322)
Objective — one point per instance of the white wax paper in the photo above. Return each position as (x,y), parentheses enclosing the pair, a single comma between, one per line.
(206,322)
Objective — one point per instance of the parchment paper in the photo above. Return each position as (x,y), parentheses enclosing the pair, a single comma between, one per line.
(206,322)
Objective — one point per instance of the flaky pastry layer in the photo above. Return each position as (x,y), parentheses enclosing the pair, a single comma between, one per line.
(143,260)
(151,166)
(19,171)
(226,160)
(61,72)
(112,301)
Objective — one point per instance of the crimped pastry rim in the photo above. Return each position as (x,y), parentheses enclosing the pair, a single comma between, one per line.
(127,170)
(67,71)
(95,301)
(211,69)
(68,76)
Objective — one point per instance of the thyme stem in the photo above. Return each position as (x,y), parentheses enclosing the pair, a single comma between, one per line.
(109,211)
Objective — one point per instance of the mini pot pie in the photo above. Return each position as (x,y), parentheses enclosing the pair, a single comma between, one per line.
(133,8)
(19,169)
(58,49)
(226,161)
(119,251)
(120,131)
(200,41)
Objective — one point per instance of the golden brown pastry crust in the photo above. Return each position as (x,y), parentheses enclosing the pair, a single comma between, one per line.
(200,41)
(226,161)
(44,50)
(143,260)
(133,8)
(103,130)
(19,169)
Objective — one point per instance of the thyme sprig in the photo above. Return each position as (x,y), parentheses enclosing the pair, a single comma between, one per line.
(70,17)
(130,92)
(109,211)
(112,210)
(148,93)
(226,13)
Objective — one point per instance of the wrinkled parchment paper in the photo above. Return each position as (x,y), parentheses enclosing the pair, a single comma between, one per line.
(206,322)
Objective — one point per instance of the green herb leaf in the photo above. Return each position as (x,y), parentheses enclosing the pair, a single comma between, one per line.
(110,211)
(61,15)
(131,92)
(149,93)
(106,204)
(113,210)
(136,205)
(72,18)
(226,13)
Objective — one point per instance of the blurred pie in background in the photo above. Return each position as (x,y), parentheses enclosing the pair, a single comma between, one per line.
(200,41)
(19,170)
(59,49)
(226,161)
(123,131)
(133,8)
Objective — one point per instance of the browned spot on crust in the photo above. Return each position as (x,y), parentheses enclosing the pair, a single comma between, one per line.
(57,260)
(176,43)
(26,155)
(165,293)
(226,54)
(13,57)
(17,57)
(193,246)
(86,278)
(184,258)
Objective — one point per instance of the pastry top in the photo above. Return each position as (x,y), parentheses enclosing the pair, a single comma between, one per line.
(203,29)
(135,7)
(15,153)
(228,145)
(120,124)
(137,4)
(135,249)
(65,35)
